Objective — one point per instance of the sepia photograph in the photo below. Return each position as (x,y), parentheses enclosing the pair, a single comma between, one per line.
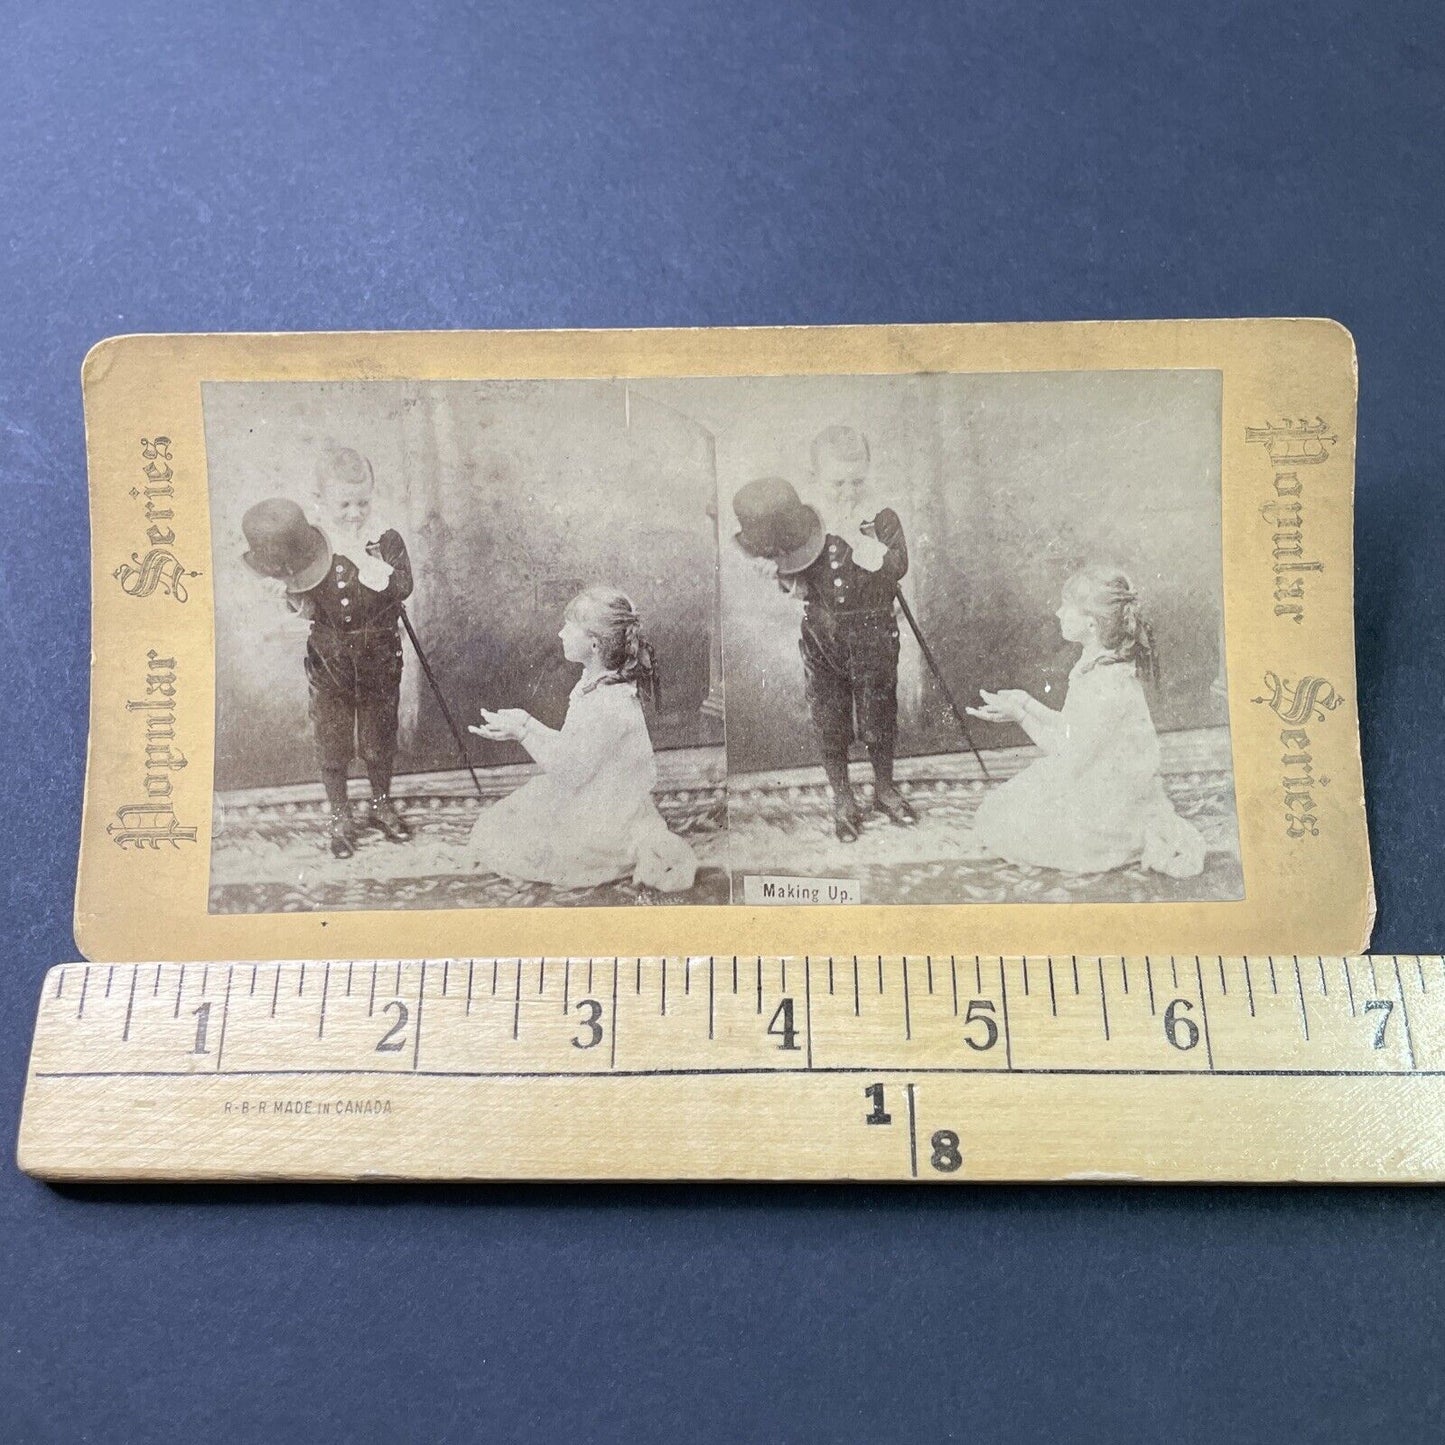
(834,639)
(973,637)
(466,648)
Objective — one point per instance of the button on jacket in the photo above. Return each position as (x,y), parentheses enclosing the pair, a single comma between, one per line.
(836,583)
(340,603)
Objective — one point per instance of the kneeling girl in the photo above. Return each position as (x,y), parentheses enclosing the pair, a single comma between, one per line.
(1096,800)
(588,817)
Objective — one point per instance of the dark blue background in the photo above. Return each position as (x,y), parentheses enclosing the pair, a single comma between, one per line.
(279,166)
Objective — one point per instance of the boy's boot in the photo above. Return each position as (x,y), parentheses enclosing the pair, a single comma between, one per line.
(343,832)
(886,797)
(386,817)
(342,828)
(847,815)
(382,812)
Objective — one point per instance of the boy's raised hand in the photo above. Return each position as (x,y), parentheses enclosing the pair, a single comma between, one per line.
(375,569)
(388,547)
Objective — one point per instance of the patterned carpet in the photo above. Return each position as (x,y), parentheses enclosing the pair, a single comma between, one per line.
(938,861)
(270,854)
(284,865)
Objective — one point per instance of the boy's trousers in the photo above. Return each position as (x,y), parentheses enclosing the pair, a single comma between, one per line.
(850,670)
(355,679)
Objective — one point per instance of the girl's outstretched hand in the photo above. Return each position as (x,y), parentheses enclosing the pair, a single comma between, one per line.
(1006,705)
(503,726)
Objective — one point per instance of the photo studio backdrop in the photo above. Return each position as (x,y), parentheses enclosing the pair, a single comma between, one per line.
(512,496)
(1005,484)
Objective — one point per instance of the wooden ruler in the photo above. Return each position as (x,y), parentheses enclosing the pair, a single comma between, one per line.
(942,1068)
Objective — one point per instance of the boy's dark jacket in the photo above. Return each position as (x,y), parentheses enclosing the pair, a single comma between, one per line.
(836,583)
(340,603)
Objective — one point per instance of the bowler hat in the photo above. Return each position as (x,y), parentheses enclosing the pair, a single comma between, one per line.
(775,524)
(285,545)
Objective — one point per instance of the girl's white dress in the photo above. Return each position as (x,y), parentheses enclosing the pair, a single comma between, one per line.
(588,817)
(1095,801)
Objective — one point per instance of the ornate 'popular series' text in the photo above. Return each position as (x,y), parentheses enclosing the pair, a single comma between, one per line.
(1292,446)
(152,821)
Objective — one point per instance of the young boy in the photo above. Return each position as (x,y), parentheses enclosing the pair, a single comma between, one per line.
(351,590)
(846,574)
(850,635)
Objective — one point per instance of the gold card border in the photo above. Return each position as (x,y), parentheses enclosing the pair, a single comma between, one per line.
(143,896)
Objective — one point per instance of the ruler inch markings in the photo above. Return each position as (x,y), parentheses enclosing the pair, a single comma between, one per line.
(1404,1010)
(130,1003)
(325,989)
(1204,1014)
(1008,1047)
(612,1022)
(912,1131)
(1283,1052)
(743,1071)
(807,1009)
(225,1016)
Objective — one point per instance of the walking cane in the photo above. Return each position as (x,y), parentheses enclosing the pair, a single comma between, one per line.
(441,701)
(933,667)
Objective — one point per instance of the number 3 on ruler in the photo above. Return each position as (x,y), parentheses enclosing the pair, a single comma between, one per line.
(593,1013)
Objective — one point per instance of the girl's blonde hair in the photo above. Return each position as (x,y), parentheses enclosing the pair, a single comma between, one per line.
(609,616)
(1107,595)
